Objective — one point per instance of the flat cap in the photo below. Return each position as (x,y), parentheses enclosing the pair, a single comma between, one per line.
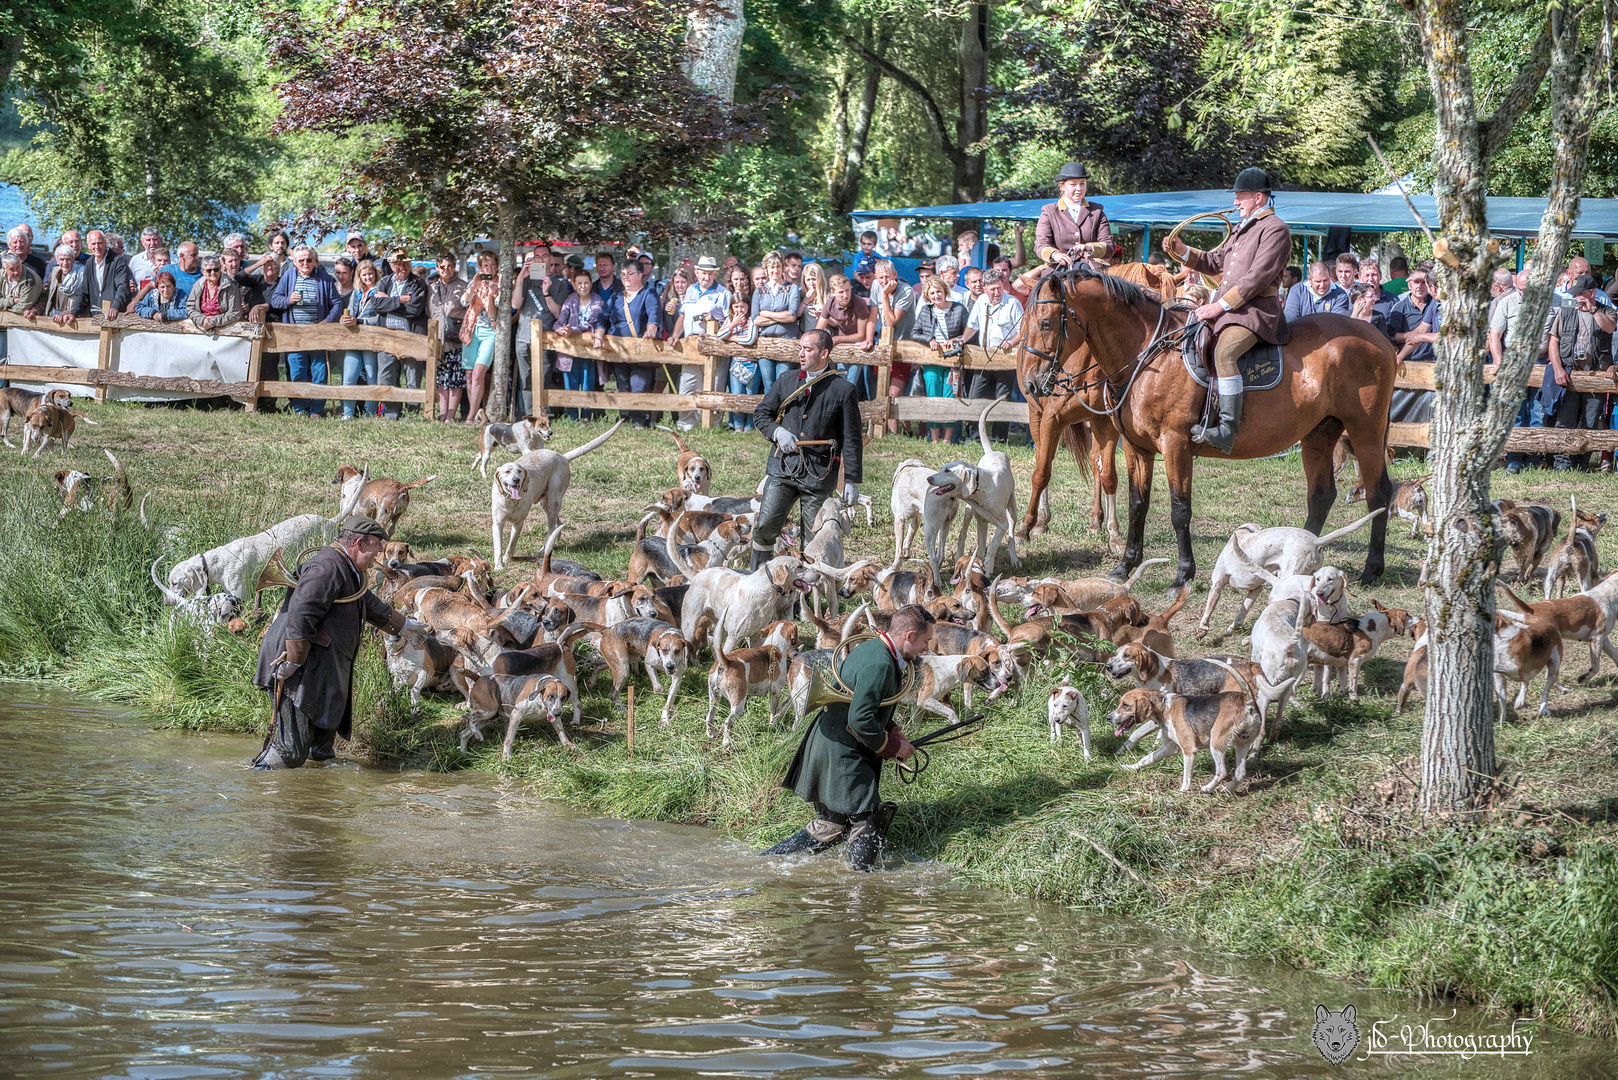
(360,525)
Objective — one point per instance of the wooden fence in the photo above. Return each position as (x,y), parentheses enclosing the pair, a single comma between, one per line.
(706,351)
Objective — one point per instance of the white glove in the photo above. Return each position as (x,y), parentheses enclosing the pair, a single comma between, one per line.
(851,494)
(787,441)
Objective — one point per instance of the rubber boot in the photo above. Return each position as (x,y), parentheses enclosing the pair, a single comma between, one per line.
(1222,437)
(801,841)
(324,748)
(269,759)
(760,558)
(865,850)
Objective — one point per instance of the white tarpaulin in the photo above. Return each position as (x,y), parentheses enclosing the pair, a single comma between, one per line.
(139,352)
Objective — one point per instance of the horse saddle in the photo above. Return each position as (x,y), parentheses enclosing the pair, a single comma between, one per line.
(1260,366)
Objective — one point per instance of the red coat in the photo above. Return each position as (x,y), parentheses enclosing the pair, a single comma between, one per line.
(1251,264)
(1057,232)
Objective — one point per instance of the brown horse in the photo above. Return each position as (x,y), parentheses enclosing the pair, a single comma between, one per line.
(1079,420)
(1093,335)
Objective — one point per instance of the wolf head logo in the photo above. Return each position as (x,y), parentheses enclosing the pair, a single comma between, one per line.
(1336,1034)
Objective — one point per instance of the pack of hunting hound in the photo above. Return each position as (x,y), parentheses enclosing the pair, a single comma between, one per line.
(533,648)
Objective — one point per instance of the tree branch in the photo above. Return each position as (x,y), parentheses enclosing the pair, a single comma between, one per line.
(1493,132)
(935,116)
(1383,158)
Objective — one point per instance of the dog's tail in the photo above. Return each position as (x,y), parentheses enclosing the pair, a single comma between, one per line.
(1139,570)
(983,420)
(1346,529)
(853,621)
(1515,599)
(143,518)
(545,553)
(1179,602)
(84,417)
(678,439)
(579,451)
(671,540)
(126,494)
(420,483)
(994,609)
(170,597)
(1247,560)
(1247,687)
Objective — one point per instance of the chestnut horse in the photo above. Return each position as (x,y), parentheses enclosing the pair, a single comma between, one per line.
(1088,331)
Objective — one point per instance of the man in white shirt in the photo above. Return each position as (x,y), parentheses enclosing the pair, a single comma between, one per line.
(949,268)
(994,323)
(707,299)
(140,264)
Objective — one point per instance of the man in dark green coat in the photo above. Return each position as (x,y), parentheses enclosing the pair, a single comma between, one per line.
(838,766)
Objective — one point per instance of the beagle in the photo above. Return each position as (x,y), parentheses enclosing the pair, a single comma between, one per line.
(693,470)
(1524,646)
(516,697)
(1580,617)
(383,501)
(940,675)
(650,643)
(1284,551)
(1415,673)
(1065,707)
(51,423)
(15,401)
(1344,646)
(741,674)
(1576,557)
(419,660)
(1409,501)
(1529,531)
(1086,594)
(1219,723)
(519,438)
(81,491)
(1187,678)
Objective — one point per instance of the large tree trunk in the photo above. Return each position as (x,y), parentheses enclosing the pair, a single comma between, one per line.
(972,124)
(501,399)
(714,34)
(845,188)
(1470,425)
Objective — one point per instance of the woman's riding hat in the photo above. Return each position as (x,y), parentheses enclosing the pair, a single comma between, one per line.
(1252,178)
(1073,170)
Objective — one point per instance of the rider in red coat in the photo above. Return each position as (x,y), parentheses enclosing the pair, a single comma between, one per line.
(1249,306)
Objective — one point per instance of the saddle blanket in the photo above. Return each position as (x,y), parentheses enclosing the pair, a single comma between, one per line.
(1260,366)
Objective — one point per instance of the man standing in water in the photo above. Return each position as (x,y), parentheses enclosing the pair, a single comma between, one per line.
(838,766)
(306,662)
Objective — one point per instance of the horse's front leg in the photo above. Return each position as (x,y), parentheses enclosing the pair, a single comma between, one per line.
(1177,461)
(1140,500)
(1046,441)
(1107,472)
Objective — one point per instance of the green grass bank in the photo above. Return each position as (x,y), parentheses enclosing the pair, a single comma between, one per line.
(1316,863)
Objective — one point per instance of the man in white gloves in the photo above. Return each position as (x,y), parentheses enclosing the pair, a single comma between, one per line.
(813,418)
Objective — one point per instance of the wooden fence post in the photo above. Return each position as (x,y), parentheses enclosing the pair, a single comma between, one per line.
(536,369)
(884,377)
(255,366)
(104,351)
(710,373)
(435,346)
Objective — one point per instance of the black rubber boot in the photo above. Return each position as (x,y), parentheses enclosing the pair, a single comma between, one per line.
(801,841)
(1222,437)
(324,748)
(865,851)
(760,558)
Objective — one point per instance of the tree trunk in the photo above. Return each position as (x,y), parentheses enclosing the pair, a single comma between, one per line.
(845,190)
(714,34)
(972,124)
(501,399)
(1470,426)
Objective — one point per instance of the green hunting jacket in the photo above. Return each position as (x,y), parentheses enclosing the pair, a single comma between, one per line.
(838,766)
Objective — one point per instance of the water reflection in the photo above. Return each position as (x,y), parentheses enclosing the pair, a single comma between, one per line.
(170,915)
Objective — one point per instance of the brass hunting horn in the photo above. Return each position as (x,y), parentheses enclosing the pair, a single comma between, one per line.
(1224,218)
(275,575)
(825,688)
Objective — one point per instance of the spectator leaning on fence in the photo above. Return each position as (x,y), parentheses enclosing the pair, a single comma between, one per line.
(948,269)
(186,266)
(634,315)
(993,323)
(774,311)
(940,324)
(477,332)
(1316,294)
(164,302)
(215,301)
(705,299)
(893,304)
(530,303)
(307,294)
(360,365)
(850,321)
(1382,303)
(583,313)
(814,293)
(20,288)
(402,303)
(64,289)
(106,277)
(1415,319)
(445,303)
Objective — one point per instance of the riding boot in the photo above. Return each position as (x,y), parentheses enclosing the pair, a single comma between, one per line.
(801,841)
(323,748)
(866,846)
(760,557)
(1222,437)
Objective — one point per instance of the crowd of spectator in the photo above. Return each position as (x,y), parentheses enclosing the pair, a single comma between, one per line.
(955,303)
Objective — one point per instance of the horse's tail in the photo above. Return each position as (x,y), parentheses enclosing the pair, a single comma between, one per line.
(1078,440)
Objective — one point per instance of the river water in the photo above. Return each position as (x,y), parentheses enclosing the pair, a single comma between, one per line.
(170,914)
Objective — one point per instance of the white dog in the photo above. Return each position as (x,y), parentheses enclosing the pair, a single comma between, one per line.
(1281,652)
(1283,551)
(992,501)
(535,476)
(1066,707)
(741,605)
(917,500)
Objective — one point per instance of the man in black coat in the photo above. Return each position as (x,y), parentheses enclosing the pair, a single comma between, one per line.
(811,404)
(306,662)
(106,276)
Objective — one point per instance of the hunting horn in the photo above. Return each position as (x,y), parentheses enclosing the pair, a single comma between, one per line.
(825,688)
(1224,218)
(275,575)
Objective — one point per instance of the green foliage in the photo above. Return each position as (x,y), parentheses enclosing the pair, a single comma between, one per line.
(158,128)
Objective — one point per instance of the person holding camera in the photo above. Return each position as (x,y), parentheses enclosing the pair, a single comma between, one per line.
(1580,341)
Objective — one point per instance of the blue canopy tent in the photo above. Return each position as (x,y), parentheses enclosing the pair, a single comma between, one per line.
(1311,214)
